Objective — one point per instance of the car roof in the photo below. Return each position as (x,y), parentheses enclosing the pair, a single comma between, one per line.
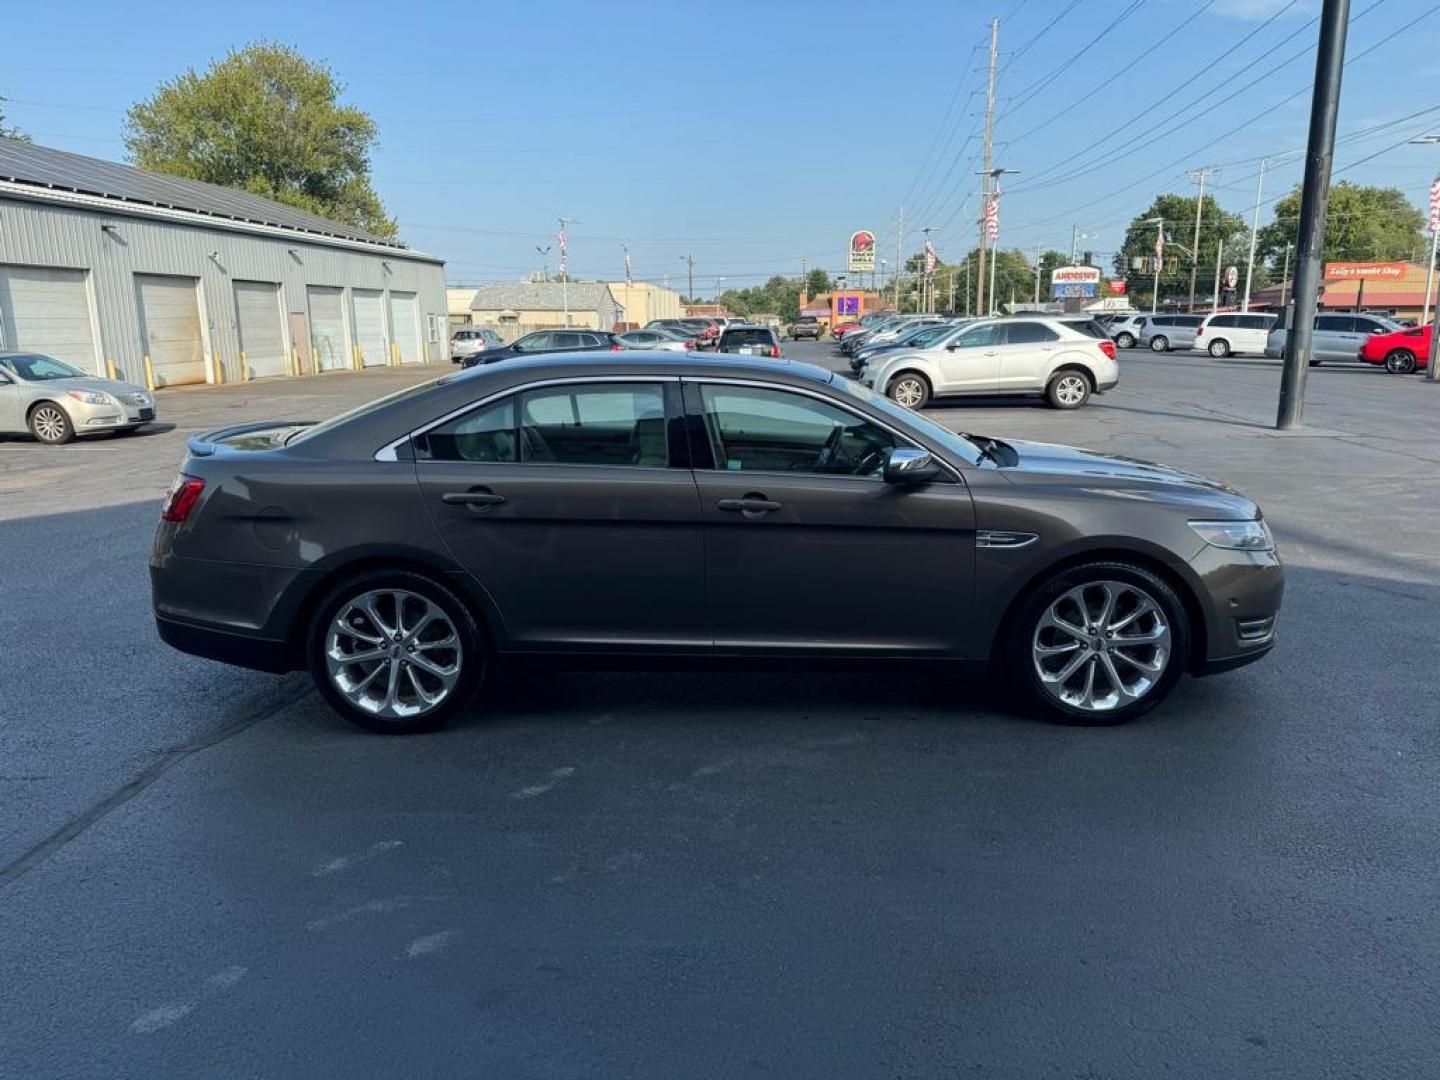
(647,361)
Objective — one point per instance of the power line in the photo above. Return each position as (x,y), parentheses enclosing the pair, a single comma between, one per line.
(1029,94)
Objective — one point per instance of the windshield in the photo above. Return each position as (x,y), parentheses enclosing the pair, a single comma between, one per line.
(33,367)
(370,406)
(915,421)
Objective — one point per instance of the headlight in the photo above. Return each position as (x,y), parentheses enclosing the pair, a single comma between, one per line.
(90,397)
(1235,535)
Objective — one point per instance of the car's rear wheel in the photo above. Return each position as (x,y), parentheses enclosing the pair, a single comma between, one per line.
(910,389)
(1219,347)
(50,424)
(1099,643)
(1400,362)
(396,652)
(1068,390)
(1159,344)
(1126,341)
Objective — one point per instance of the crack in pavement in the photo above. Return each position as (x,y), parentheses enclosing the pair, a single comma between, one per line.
(295,689)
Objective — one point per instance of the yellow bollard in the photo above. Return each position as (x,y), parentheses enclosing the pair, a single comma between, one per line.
(394,355)
(358,358)
(295,362)
(149,374)
(244,368)
(110,366)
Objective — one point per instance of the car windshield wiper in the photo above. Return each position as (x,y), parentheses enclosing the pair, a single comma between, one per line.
(1001,453)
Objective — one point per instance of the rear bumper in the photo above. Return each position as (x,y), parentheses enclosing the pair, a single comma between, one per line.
(241,650)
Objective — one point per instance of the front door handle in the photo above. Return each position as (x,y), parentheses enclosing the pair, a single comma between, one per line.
(478,498)
(752,505)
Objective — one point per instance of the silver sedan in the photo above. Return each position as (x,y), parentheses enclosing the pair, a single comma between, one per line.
(56,402)
(656,338)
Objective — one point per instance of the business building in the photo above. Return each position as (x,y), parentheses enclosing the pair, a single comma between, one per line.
(1391,288)
(118,270)
(530,305)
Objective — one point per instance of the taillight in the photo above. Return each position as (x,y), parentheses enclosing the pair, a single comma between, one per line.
(617,348)
(184,493)
(1199,330)
(689,345)
(1108,348)
(775,352)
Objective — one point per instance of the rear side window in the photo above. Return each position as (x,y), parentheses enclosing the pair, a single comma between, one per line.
(1189,320)
(1090,328)
(600,424)
(1029,333)
(1163,320)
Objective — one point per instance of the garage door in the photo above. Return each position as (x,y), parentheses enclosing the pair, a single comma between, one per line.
(370,327)
(405,326)
(170,328)
(328,346)
(262,331)
(47,311)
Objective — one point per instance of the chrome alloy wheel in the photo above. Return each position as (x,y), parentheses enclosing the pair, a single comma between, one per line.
(49,423)
(908,391)
(393,654)
(1071,389)
(1101,646)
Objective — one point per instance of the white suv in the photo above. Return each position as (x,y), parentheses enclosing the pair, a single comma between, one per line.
(1061,359)
(1234,332)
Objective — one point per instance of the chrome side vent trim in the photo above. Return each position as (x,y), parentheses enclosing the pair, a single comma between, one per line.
(998,538)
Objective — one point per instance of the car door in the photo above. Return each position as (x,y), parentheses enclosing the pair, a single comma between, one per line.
(807,549)
(1330,340)
(971,363)
(1027,354)
(572,503)
(538,342)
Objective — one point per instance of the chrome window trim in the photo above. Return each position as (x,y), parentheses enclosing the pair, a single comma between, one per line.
(388,451)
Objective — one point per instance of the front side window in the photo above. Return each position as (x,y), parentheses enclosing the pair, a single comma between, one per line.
(583,424)
(36,367)
(1224,321)
(980,336)
(1334,324)
(758,430)
(534,342)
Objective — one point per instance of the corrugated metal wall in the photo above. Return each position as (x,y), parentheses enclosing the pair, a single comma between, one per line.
(40,234)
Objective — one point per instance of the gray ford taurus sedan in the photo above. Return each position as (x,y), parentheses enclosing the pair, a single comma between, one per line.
(684,508)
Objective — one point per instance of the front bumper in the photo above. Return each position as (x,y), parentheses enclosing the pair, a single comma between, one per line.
(1242,592)
(111,416)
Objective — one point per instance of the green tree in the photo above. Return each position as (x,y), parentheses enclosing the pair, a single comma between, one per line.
(1361,223)
(265,120)
(1178,212)
(10,132)
(817,281)
(778,296)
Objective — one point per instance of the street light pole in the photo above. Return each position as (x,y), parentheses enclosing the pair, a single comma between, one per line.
(1254,233)
(1159,224)
(1195,244)
(1314,198)
(1285,280)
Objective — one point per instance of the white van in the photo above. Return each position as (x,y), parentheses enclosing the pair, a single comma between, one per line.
(1234,332)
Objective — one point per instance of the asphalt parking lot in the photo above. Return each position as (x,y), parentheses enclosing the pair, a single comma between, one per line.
(203,871)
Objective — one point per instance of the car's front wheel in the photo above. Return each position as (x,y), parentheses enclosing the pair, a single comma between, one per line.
(50,424)
(1099,643)
(1400,362)
(1068,390)
(1126,341)
(910,389)
(1159,344)
(1219,347)
(396,652)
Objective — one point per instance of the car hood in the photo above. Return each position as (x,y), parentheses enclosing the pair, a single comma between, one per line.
(1126,478)
(89,382)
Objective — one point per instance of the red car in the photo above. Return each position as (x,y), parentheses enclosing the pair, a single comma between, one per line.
(838,332)
(1402,352)
(707,329)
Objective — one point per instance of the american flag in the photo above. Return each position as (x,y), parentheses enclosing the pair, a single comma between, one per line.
(930,257)
(629,278)
(564,251)
(992,215)
(1435,205)
(1160,242)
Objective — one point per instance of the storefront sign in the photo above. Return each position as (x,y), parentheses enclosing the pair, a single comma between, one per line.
(862,252)
(1349,271)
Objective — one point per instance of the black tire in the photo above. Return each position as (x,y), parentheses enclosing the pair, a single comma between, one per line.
(1315,363)
(1024,626)
(1400,362)
(1219,347)
(1126,341)
(1159,344)
(912,386)
(473,656)
(50,424)
(1068,389)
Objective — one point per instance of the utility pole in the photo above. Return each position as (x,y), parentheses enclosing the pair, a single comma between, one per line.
(899,264)
(926,284)
(1310,240)
(1430,140)
(1254,233)
(967,285)
(1037,271)
(689,261)
(1219,257)
(1159,224)
(1285,280)
(985,185)
(951,309)
(1195,244)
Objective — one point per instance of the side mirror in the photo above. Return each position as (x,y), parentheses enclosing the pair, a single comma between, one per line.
(5,379)
(907,465)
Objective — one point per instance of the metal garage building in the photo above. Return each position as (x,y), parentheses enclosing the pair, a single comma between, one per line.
(104,265)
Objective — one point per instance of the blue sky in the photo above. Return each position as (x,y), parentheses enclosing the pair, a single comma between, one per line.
(755,136)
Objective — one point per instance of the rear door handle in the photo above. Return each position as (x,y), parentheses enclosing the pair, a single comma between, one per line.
(750,505)
(477,498)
